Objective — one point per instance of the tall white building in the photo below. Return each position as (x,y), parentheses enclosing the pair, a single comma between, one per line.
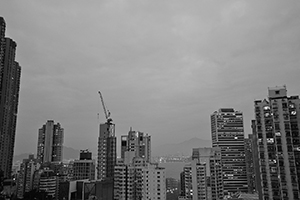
(50,142)
(227,131)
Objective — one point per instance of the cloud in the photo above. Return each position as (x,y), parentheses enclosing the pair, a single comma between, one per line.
(163,66)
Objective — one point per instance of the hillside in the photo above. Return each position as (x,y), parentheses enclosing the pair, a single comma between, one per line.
(183,148)
(68,153)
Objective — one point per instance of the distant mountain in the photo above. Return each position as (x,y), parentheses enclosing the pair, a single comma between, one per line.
(183,148)
(20,157)
(68,154)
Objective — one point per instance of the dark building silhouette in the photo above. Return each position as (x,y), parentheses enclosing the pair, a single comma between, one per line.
(64,190)
(85,155)
(250,163)
(46,180)
(10,73)
(182,191)
(258,186)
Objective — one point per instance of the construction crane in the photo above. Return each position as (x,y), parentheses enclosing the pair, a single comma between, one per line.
(106,112)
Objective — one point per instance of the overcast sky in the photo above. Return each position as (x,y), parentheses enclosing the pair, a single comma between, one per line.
(163,66)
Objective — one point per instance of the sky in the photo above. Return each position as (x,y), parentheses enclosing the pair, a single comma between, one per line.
(163,66)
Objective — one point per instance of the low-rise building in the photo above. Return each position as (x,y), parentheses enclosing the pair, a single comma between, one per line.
(84,168)
(45,180)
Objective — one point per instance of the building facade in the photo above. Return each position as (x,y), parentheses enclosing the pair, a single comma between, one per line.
(195,181)
(249,163)
(182,192)
(172,187)
(154,182)
(211,179)
(10,73)
(138,179)
(25,178)
(45,180)
(227,131)
(276,127)
(107,154)
(255,154)
(128,180)
(211,156)
(138,142)
(85,167)
(50,142)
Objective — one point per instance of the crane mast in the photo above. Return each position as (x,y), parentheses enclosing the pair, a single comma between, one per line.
(106,112)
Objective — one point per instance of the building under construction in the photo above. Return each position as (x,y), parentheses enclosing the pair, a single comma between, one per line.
(107,143)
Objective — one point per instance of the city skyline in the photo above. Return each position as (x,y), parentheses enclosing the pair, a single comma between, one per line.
(163,68)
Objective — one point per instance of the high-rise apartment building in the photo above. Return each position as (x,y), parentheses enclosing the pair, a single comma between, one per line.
(249,163)
(10,73)
(138,142)
(227,131)
(212,158)
(194,181)
(50,142)
(276,127)
(2,36)
(128,180)
(209,160)
(134,178)
(182,191)
(107,154)
(154,182)
(84,168)
(25,178)
(258,187)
